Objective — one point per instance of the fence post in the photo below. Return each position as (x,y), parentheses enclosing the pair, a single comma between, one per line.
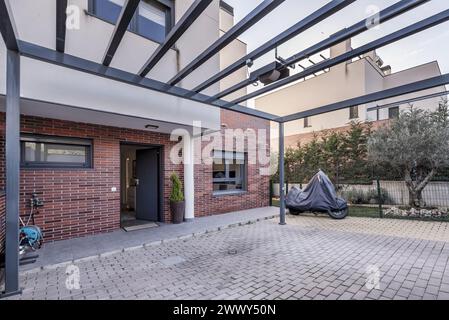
(271,193)
(338,176)
(379,196)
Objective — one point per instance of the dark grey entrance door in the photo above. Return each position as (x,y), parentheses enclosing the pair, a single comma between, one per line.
(147,193)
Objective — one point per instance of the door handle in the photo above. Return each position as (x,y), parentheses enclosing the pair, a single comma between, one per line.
(136,181)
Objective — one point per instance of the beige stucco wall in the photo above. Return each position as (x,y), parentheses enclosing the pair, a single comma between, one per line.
(226,20)
(338,84)
(418,73)
(343,82)
(35,21)
(200,35)
(234,51)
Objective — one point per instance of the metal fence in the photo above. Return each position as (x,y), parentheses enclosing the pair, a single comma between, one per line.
(378,192)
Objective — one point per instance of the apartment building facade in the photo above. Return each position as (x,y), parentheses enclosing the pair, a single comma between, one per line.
(359,77)
(99,152)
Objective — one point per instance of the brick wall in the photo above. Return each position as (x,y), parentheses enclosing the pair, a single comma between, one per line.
(258,186)
(79,202)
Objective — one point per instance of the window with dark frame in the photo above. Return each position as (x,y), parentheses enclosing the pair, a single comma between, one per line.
(55,152)
(229,172)
(354,112)
(393,113)
(153,19)
(307,123)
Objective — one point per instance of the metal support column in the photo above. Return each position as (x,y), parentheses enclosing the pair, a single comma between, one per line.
(281,174)
(12,155)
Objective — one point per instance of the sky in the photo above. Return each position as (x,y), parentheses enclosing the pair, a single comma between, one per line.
(427,46)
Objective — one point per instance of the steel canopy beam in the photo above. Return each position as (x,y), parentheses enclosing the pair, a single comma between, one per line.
(7,26)
(12,165)
(343,35)
(61,18)
(36,52)
(389,39)
(252,18)
(398,103)
(195,10)
(313,19)
(372,97)
(127,13)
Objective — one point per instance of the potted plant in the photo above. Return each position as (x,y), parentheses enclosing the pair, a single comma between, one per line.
(177,203)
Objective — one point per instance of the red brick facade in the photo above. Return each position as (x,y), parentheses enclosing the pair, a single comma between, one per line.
(79,202)
(258,186)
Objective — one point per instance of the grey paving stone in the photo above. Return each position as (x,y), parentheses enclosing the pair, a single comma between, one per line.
(296,261)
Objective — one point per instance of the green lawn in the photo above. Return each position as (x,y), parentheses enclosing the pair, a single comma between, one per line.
(367,212)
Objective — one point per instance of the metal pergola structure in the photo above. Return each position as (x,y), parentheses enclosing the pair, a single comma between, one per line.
(17,48)
(441,94)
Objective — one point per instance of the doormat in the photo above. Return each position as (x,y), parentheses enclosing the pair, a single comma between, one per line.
(141,227)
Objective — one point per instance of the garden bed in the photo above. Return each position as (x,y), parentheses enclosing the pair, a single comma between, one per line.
(429,214)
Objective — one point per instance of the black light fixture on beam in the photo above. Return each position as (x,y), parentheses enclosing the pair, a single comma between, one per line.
(308,22)
(238,29)
(272,72)
(345,34)
(413,29)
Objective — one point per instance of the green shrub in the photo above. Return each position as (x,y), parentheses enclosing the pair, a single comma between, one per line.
(355,196)
(374,197)
(176,192)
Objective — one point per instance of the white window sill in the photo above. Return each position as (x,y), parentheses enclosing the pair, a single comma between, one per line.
(229,193)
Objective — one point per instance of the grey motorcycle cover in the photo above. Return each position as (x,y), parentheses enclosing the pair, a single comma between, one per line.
(318,196)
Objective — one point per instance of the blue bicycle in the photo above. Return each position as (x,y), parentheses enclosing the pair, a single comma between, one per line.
(30,235)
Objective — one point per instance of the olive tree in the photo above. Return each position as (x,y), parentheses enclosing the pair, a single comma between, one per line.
(416,144)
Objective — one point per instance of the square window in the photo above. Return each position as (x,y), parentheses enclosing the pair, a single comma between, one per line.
(354,112)
(108,10)
(229,172)
(393,113)
(307,122)
(153,19)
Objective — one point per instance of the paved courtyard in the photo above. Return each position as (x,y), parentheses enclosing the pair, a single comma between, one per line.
(310,258)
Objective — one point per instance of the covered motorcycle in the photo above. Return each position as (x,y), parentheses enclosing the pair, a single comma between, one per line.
(318,196)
